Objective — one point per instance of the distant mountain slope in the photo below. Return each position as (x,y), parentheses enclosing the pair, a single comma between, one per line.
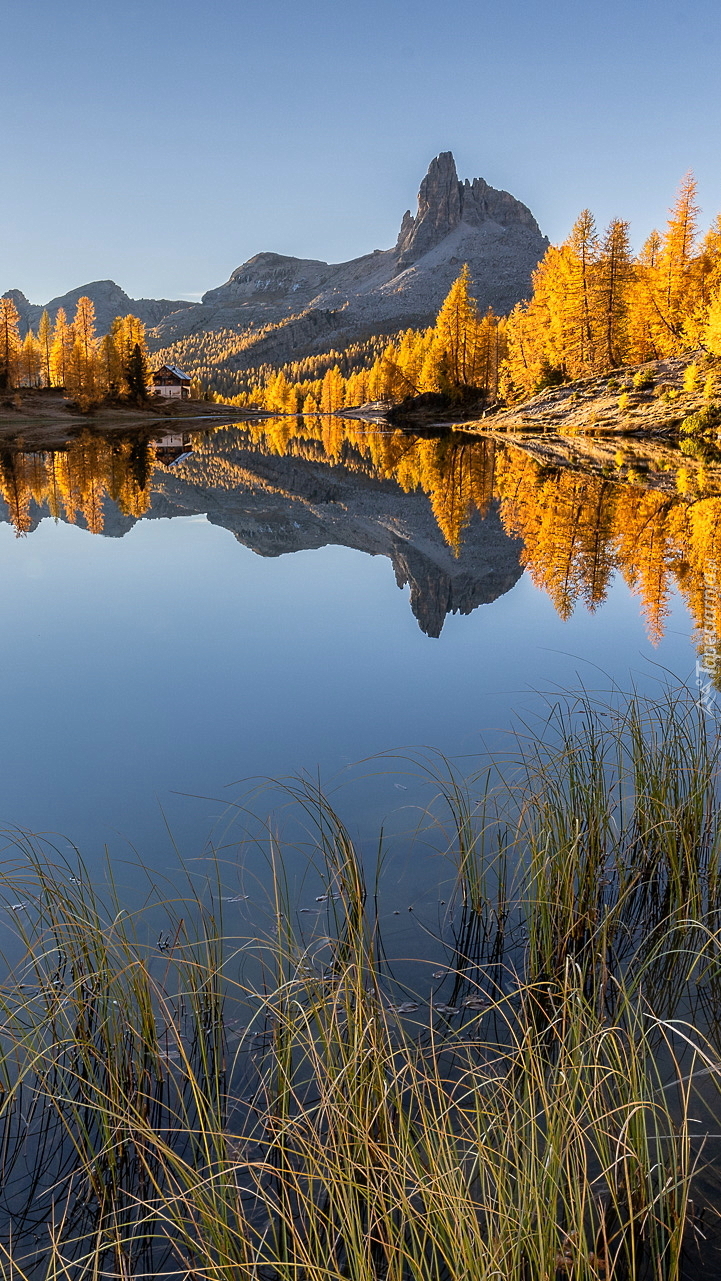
(109,299)
(286,307)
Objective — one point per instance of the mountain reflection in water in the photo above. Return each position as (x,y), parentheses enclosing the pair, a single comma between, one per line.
(459,517)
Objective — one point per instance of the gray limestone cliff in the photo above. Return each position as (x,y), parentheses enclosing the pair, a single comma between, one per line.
(313,306)
(444,203)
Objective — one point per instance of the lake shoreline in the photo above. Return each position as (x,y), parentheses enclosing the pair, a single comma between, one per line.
(45,418)
(648,400)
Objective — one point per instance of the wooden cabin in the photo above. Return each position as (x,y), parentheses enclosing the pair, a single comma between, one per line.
(171,381)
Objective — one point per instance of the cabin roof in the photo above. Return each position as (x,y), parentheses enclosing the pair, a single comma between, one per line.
(173,369)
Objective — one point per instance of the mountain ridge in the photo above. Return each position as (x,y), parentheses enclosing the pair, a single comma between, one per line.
(320,305)
(109,300)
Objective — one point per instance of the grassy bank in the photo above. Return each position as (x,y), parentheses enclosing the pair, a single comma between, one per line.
(179,1100)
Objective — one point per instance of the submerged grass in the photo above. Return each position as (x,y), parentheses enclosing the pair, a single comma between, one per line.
(537,1125)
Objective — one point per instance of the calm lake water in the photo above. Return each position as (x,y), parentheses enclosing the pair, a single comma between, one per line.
(293,596)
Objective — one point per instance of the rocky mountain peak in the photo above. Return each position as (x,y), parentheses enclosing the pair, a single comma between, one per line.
(285,308)
(303,306)
(439,210)
(444,203)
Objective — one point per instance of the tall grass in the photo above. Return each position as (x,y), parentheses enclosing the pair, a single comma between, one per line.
(195,1104)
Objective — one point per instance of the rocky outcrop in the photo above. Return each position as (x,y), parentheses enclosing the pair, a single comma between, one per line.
(444,203)
(439,211)
(24,308)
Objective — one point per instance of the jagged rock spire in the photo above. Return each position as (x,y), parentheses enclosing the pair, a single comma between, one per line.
(444,202)
(439,210)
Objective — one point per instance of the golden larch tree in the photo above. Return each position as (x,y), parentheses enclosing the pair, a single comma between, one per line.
(61,349)
(712,332)
(644,319)
(84,376)
(675,279)
(331,395)
(457,336)
(9,343)
(30,361)
(580,338)
(613,280)
(45,342)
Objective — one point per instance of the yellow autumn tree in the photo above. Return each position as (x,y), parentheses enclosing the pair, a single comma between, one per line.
(30,361)
(712,331)
(611,293)
(356,390)
(45,345)
(124,357)
(706,281)
(577,298)
(9,344)
(61,347)
(15,489)
(84,373)
(332,391)
(543,334)
(457,337)
(280,395)
(645,329)
(674,280)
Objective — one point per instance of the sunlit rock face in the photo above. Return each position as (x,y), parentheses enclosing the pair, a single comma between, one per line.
(444,203)
(439,211)
(318,305)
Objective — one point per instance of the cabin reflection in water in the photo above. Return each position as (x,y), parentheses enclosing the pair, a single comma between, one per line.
(459,517)
(171,448)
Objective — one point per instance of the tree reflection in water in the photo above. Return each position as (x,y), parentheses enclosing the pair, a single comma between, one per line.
(584,510)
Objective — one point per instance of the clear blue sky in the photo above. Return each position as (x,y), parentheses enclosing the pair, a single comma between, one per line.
(163,144)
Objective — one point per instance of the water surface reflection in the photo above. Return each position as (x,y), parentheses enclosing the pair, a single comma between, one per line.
(459,517)
(159,641)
